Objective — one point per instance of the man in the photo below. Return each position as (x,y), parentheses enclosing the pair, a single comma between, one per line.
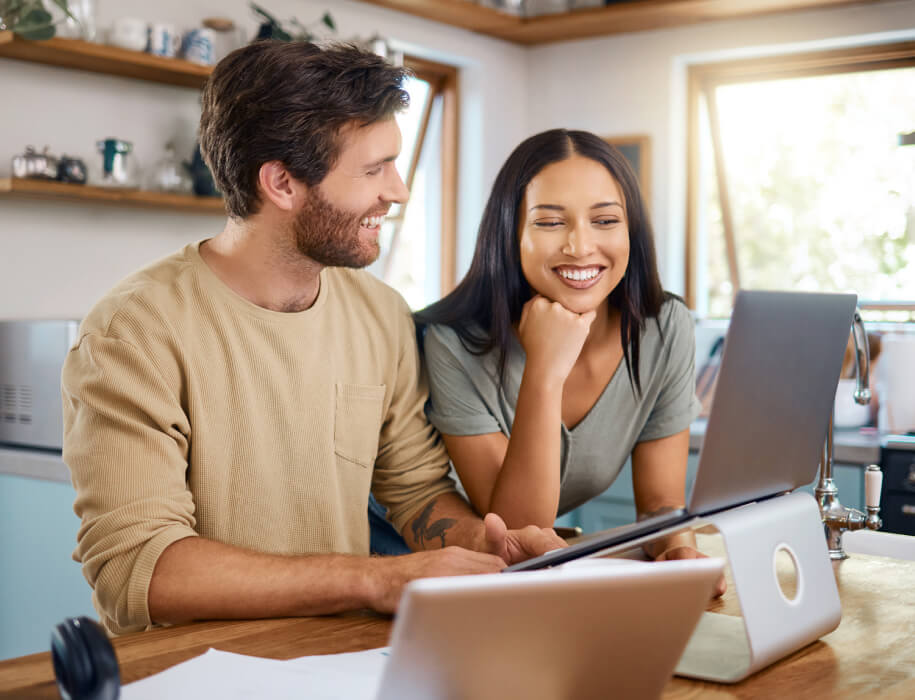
(229,408)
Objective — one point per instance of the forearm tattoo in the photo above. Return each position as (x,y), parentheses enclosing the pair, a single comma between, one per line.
(423,531)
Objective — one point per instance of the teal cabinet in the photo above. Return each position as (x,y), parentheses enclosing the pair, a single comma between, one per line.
(40,584)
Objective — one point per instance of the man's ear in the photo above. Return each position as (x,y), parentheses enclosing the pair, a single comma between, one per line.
(279,187)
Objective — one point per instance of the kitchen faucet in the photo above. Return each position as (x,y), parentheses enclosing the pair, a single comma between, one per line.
(837,519)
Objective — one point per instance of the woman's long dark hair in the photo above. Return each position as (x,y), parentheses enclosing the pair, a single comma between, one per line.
(483,307)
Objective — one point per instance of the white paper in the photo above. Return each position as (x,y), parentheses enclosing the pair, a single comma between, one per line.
(228,676)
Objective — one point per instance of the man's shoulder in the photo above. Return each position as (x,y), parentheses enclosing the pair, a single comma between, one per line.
(143,295)
(362,286)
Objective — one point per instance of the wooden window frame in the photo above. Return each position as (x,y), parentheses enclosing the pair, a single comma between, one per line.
(703,79)
(443,84)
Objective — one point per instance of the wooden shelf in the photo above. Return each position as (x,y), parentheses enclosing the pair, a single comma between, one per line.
(99,58)
(616,18)
(88,194)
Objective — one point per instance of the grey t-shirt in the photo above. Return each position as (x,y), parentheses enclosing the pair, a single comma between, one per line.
(466,398)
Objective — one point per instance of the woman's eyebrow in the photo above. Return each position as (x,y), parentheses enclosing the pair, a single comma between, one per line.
(559,207)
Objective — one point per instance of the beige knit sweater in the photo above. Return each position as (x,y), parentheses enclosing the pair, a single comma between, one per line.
(190,411)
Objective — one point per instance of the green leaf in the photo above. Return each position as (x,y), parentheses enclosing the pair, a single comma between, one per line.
(266,16)
(329,21)
(62,4)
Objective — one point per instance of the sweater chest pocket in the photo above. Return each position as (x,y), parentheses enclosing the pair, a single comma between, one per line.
(357,422)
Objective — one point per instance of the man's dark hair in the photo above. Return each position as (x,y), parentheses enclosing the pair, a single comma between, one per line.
(483,307)
(286,102)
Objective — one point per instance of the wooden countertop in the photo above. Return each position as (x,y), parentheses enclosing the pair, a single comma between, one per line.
(870,655)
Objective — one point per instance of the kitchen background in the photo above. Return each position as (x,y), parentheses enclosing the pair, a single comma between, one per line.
(57,258)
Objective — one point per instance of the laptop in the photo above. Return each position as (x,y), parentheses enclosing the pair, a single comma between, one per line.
(767,426)
(590,629)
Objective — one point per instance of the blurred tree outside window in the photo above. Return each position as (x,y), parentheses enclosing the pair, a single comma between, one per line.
(802,182)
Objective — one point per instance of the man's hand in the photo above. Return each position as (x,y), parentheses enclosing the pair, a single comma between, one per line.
(517,545)
(390,574)
(687,552)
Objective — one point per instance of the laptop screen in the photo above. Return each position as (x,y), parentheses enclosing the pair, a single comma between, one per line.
(776,386)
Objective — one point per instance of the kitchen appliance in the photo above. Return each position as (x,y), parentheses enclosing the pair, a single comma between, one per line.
(897,505)
(32,354)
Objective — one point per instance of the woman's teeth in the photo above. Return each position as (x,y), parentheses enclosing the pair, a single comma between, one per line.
(372,221)
(587,274)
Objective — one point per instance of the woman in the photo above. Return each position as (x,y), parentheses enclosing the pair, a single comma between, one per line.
(559,355)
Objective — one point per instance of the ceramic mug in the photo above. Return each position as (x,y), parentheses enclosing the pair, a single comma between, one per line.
(163,39)
(198,44)
(129,33)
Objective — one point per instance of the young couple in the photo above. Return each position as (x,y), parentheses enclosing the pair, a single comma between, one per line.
(229,409)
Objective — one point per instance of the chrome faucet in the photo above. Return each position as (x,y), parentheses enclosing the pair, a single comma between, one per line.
(837,519)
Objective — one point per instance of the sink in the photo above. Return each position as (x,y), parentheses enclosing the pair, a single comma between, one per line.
(881,544)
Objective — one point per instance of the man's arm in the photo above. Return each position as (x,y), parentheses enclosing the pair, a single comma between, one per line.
(199,579)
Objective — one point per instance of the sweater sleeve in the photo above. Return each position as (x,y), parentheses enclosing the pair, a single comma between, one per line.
(126,441)
(412,466)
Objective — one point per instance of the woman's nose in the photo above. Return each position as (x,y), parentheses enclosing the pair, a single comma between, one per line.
(579,241)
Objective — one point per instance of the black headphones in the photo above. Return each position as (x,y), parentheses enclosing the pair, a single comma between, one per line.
(84,661)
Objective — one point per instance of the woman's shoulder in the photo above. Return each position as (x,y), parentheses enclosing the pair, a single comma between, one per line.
(674,323)
(674,312)
(442,342)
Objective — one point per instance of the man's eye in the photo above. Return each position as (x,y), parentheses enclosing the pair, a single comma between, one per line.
(373,171)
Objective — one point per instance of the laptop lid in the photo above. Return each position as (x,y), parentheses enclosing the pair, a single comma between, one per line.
(776,386)
(590,629)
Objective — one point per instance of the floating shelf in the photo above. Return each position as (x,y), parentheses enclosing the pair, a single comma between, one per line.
(88,194)
(615,18)
(99,58)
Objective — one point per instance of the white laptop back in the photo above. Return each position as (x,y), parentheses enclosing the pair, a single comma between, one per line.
(589,629)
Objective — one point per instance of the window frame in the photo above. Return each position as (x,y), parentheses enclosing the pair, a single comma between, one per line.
(443,85)
(703,79)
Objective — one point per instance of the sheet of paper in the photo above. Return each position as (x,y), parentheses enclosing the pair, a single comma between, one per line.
(229,676)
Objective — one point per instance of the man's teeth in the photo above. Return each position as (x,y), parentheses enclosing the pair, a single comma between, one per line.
(372,221)
(588,274)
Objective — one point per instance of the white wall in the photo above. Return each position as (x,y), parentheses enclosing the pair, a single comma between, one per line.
(636,83)
(56,259)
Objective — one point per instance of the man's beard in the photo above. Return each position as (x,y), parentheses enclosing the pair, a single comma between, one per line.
(330,236)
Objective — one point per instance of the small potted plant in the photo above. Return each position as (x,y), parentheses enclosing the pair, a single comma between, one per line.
(271,28)
(30,19)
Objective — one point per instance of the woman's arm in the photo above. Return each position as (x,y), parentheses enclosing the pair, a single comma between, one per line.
(518,477)
(659,485)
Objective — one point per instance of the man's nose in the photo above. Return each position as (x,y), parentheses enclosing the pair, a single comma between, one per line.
(396,190)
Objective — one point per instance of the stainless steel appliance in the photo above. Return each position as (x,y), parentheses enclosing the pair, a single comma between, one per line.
(31,358)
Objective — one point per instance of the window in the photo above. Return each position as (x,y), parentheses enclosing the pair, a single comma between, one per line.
(800,178)
(418,239)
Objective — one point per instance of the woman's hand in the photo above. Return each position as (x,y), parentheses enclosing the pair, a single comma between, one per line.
(552,337)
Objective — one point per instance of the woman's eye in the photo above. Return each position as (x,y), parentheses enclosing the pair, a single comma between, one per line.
(606,222)
(547,224)
(374,171)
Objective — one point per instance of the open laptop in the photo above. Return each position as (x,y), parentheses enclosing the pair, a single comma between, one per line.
(591,629)
(765,433)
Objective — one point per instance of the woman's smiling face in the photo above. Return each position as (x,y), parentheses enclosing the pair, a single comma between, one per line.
(573,233)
